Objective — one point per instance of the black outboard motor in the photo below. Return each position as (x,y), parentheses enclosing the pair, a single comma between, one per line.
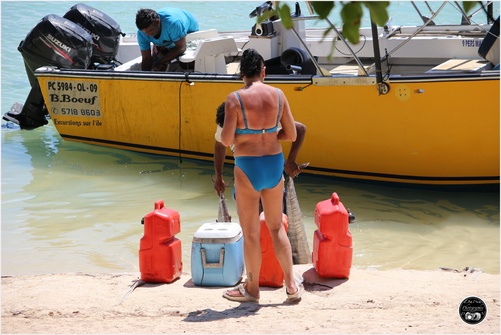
(104,30)
(54,41)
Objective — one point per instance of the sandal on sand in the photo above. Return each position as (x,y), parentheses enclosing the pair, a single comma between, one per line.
(295,297)
(244,297)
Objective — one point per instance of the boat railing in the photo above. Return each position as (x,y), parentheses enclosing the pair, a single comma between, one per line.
(465,18)
(466,28)
(321,71)
(388,54)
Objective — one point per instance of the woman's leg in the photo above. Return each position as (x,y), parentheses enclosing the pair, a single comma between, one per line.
(248,214)
(272,200)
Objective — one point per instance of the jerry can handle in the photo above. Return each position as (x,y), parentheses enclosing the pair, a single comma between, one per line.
(335,199)
(217,265)
(159,204)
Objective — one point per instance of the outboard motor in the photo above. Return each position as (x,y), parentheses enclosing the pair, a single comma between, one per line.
(104,30)
(297,61)
(54,41)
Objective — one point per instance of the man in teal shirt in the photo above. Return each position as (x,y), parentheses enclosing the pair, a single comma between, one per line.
(167,30)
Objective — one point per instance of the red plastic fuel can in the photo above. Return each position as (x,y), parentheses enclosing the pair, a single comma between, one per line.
(160,253)
(332,242)
(270,274)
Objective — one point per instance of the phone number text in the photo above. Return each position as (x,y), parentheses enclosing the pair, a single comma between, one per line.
(77,112)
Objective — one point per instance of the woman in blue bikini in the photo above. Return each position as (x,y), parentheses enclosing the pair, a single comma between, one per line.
(251,119)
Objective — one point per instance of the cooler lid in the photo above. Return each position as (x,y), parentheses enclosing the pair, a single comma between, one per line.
(218,232)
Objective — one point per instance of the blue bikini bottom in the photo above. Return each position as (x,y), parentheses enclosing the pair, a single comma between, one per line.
(262,171)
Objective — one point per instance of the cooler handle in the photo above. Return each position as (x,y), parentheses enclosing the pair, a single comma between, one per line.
(212,265)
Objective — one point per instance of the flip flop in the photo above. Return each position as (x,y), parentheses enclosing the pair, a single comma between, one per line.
(295,297)
(245,297)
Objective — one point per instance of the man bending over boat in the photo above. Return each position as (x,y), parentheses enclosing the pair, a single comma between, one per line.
(167,30)
(291,167)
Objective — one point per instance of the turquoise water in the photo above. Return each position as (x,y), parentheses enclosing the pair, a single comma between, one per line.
(69,207)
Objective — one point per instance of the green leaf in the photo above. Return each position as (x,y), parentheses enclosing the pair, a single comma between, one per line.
(378,11)
(468,5)
(284,12)
(326,32)
(323,8)
(265,16)
(351,14)
(350,32)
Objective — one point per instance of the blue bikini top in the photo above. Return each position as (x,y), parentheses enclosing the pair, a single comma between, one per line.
(247,130)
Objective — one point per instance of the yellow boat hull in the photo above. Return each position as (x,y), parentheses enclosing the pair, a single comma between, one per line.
(438,131)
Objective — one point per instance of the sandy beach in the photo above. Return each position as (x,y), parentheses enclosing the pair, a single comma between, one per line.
(369,302)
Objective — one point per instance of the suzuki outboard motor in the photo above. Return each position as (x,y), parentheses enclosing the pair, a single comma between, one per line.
(104,30)
(54,41)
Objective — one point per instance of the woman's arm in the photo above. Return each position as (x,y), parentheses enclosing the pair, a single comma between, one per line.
(230,120)
(219,155)
(288,131)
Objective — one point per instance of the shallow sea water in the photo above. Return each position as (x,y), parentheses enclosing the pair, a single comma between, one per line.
(69,207)
(75,207)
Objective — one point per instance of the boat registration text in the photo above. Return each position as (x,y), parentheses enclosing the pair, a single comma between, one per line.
(74,98)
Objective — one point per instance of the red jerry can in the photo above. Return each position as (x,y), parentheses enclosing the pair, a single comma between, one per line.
(332,242)
(270,274)
(160,253)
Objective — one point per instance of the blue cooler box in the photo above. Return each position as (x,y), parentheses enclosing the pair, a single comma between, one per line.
(217,254)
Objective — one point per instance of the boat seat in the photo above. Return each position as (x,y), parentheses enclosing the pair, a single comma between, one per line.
(461,65)
(201,34)
(209,53)
(346,70)
(233,68)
